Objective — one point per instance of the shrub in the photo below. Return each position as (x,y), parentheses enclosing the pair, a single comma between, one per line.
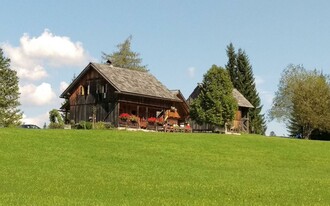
(99,125)
(55,125)
(73,124)
(108,125)
(133,118)
(84,125)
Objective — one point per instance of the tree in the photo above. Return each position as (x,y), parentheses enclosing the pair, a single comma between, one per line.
(302,101)
(125,58)
(272,134)
(294,129)
(215,104)
(231,65)
(241,73)
(56,120)
(10,115)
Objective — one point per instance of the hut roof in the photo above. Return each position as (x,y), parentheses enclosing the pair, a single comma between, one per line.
(128,81)
(241,100)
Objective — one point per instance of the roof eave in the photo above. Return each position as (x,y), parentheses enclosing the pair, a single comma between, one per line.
(74,82)
(148,96)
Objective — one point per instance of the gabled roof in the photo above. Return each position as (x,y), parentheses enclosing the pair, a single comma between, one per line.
(178,94)
(241,100)
(128,81)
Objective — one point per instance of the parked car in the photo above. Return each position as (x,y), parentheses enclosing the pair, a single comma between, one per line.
(30,126)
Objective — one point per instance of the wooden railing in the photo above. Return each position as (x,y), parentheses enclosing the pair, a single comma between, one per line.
(240,126)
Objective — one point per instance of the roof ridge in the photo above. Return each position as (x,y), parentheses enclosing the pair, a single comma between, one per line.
(133,70)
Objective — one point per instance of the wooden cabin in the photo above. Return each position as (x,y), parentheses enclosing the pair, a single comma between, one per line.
(241,119)
(103,92)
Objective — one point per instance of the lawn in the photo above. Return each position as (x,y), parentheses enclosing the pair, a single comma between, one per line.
(110,167)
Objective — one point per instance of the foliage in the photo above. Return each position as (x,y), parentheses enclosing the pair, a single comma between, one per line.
(41,167)
(293,127)
(241,74)
(10,115)
(125,58)
(231,65)
(133,118)
(99,125)
(55,117)
(272,134)
(84,125)
(124,116)
(56,125)
(215,104)
(303,98)
(109,125)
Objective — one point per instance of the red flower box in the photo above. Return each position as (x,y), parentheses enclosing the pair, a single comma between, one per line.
(124,117)
(152,120)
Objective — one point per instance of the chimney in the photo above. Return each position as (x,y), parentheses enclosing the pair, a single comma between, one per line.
(109,63)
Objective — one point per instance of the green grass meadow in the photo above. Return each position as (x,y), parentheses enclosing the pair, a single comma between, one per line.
(111,167)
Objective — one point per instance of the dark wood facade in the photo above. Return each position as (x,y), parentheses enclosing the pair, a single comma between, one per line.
(93,94)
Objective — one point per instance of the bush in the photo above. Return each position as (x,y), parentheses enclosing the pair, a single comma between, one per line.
(108,125)
(55,125)
(84,125)
(99,125)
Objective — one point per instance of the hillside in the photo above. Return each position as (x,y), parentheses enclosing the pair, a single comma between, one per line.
(47,167)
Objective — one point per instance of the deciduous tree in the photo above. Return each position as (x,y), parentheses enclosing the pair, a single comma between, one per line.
(215,104)
(10,115)
(302,100)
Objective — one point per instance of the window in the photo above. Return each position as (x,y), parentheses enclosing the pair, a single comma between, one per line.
(88,89)
(81,90)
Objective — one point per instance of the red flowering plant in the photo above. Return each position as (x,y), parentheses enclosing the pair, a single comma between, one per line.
(152,120)
(160,120)
(124,117)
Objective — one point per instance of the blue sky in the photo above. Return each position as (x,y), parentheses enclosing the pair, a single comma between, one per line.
(50,41)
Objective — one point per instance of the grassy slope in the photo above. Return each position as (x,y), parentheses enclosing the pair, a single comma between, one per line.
(40,167)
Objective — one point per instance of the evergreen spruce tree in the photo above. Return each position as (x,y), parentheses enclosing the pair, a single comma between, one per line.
(294,128)
(125,58)
(231,66)
(10,115)
(243,81)
(215,104)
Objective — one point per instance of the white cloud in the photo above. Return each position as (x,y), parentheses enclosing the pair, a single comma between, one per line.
(39,120)
(33,73)
(63,86)
(47,50)
(191,72)
(37,95)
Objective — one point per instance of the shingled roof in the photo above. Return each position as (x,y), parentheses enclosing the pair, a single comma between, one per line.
(130,81)
(241,100)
